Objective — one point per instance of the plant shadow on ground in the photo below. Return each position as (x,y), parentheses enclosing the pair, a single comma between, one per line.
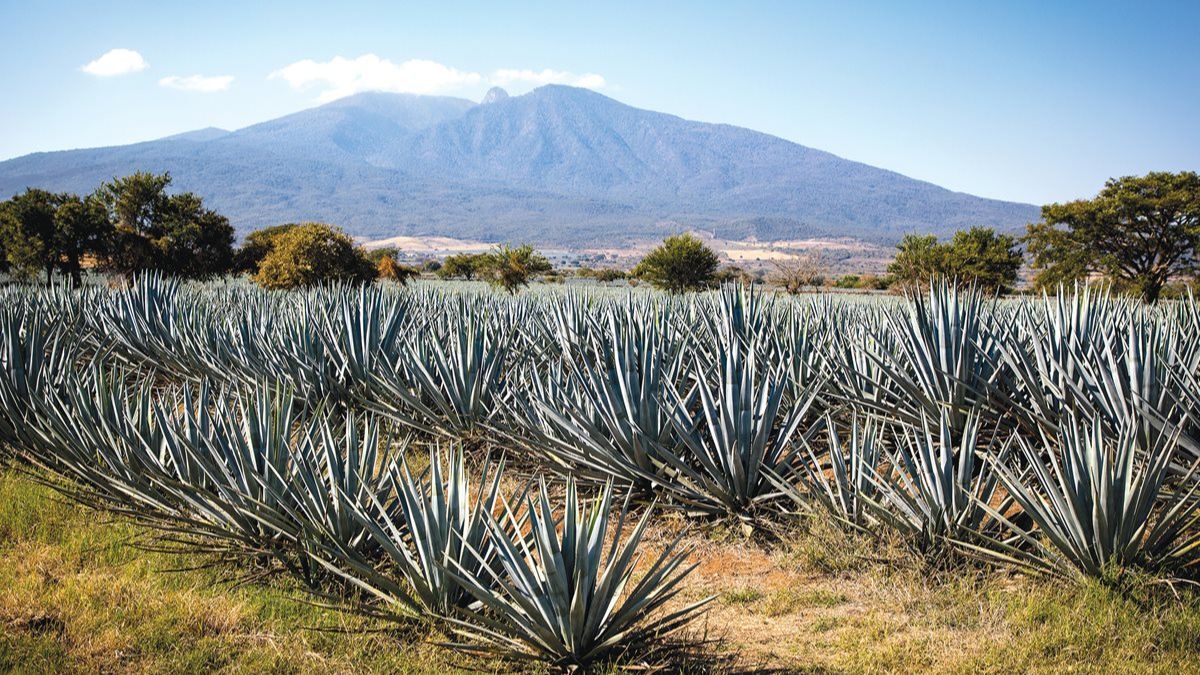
(76,596)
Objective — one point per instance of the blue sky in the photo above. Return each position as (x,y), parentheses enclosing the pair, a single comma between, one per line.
(1036,102)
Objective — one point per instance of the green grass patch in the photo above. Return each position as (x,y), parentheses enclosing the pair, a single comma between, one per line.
(77,596)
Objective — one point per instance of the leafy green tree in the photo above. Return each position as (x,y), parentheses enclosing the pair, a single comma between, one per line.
(511,268)
(256,246)
(681,263)
(171,233)
(981,257)
(375,255)
(977,257)
(199,241)
(918,259)
(462,265)
(313,253)
(28,228)
(1140,231)
(137,202)
(81,228)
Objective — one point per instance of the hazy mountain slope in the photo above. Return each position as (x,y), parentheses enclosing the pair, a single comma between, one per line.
(556,166)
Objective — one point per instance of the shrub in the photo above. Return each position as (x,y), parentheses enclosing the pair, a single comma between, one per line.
(461,265)
(256,246)
(681,263)
(511,268)
(310,254)
(388,268)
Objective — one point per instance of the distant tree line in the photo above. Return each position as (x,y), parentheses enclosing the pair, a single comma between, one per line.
(1139,233)
(128,225)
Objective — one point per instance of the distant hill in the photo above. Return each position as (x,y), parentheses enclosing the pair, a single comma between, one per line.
(557,166)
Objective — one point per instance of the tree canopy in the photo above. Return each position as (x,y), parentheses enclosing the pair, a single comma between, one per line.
(44,231)
(313,253)
(28,225)
(154,230)
(510,267)
(461,265)
(1138,231)
(978,256)
(256,245)
(680,263)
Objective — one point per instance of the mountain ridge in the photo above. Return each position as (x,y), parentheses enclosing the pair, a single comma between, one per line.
(558,165)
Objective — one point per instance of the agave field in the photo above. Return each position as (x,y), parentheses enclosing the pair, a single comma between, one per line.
(492,463)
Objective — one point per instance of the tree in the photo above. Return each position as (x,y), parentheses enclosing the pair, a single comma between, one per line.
(28,227)
(171,233)
(375,255)
(199,241)
(136,202)
(464,265)
(918,259)
(388,268)
(800,272)
(681,263)
(511,268)
(981,257)
(256,246)
(310,254)
(1138,231)
(975,257)
(81,228)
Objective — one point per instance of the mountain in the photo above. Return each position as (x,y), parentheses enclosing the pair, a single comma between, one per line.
(557,166)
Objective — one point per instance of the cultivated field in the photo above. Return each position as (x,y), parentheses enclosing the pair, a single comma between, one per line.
(424,479)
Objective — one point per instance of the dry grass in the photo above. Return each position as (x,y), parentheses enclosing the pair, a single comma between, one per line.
(75,596)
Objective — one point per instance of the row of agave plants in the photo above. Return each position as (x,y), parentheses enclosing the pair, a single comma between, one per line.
(1055,434)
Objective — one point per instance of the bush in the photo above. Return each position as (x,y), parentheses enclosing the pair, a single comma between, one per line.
(681,263)
(977,256)
(388,268)
(511,268)
(313,253)
(256,246)
(847,281)
(461,265)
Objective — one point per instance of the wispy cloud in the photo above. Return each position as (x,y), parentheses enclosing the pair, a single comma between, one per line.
(340,76)
(508,76)
(116,62)
(202,83)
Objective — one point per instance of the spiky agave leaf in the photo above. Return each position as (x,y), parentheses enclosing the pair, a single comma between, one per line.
(447,383)
(609,418)
(1098,500)
(425,531)
(936,482)
(940,357)
(559,599)
(739,434)
(838,479)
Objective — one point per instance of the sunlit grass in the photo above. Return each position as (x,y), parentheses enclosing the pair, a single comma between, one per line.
(77,596)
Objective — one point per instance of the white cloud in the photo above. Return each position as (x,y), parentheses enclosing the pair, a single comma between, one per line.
(202,83)
(506,76)
(116,62)
(342,77)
